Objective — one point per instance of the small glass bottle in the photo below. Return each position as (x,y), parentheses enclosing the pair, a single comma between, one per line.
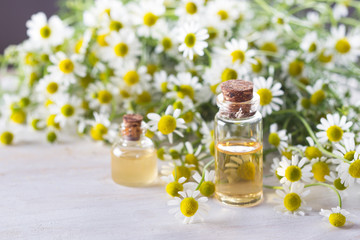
(133,156)
(238,145)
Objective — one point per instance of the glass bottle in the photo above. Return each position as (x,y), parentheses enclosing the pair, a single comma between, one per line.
(238,145)
(133,156)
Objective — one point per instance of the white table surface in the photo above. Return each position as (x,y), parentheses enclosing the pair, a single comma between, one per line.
(65,191)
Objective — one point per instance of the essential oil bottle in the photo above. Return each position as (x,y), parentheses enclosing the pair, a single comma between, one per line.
(133,156)
(238,145)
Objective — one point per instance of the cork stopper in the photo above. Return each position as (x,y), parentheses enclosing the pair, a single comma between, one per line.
(237,90)
(132,126)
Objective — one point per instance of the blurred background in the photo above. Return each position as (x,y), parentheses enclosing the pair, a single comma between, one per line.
(13,17)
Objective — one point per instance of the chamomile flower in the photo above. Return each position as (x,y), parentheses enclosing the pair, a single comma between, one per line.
(7,135)
(317,94)
(313,19)
(48,86)
(173,187)
(207,187)
(278,139)
(341,10)
(101,95)
(349,173)
(346,148)
(208,137)
(66,109)
(293,199)
(101,128)
(293,66)
(161,81)
(294,170)
(47,33)
(269,93)
(242,169)
(238,53)
(336,181)
(167,40)
(122,47)
(269,41)
(117,20)
(225,12)
(190,206)
(101,10)
(193,157)
(333,128)
(312,151)
(320,168)
(192,39)
(190,10)
(168,123)
(310,45)
(147,16)
(345,47)
(274,166)
(336,216)
(177,169)
(184,85)
(66,69)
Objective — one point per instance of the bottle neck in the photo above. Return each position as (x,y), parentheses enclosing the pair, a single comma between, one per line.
(237,110)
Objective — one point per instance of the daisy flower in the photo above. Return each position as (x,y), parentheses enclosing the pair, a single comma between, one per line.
(177,169)
(66,109)
(320,168)
(238,53)
(184,85)
(345,47)
(336,181)
(312,151)
(274,166)
(208,137)
(147,15)
(346,148)
(269,94)
(225,12)
(278,138)
(115,21)
(313,19)
(101,128)
(292,65)
(317,94)
(333,128)
(269,41)
(189,206)
(65,68)
(294,170)
(293,199)
(192,39)
(207,187)
(173,187)
(7,134)
(310,45)
(161,81)
(190,10)
(101,95)
(101,10)
(167,40)
(47,33)
(48,86)
(168,123)
(336,216)
(193,157)
(122,47)
(349,173)
(341,10)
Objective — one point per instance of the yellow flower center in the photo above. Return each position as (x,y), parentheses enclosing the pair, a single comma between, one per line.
(24,102)
(131,78)
(228,74)
(269,46)
(334,133)
(296,68)
(280,21)
(174,154)
(124,93)
(213,32)
(121,49)
(35,124)
(78,46)
(160,153)
(339,185)
(104,96)
(292,201)
(191,8)
(257,67)
(293,173)
(6,138)
(150,134)
(33,78)
(101,40)
(246,171)
(305,103)
(18,116)
(238,55)
(207,188)
(143,98)
(66,66)
(223,15)
(212,148)
(325,58)
(30,59)
(317,97)
(45,31)
(150,19)
(178,105)
(287,154)
(85,81)
(312,47)
(274,139)
(354,169)
(50,122)
(190,40)
(151,69)
(115,25)
(312,152)
(337,219)
(52,87)
(191,159)
(167,124)
(186,90)
(188,116)
(67,110)
(265,96)
(51,137)
(181,171)
(320,170)
(343,46)
(174,188)
(98,131)
(166,43)
(189,206)
(164,87)
(349,155)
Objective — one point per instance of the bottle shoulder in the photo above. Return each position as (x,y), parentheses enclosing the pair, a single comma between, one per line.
(257,117)
(143,142)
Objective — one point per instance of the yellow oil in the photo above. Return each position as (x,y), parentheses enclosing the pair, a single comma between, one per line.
(133,167)
(239,172)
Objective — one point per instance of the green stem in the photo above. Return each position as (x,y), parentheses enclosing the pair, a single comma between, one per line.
(330,187)
(272,187)
(203,173)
